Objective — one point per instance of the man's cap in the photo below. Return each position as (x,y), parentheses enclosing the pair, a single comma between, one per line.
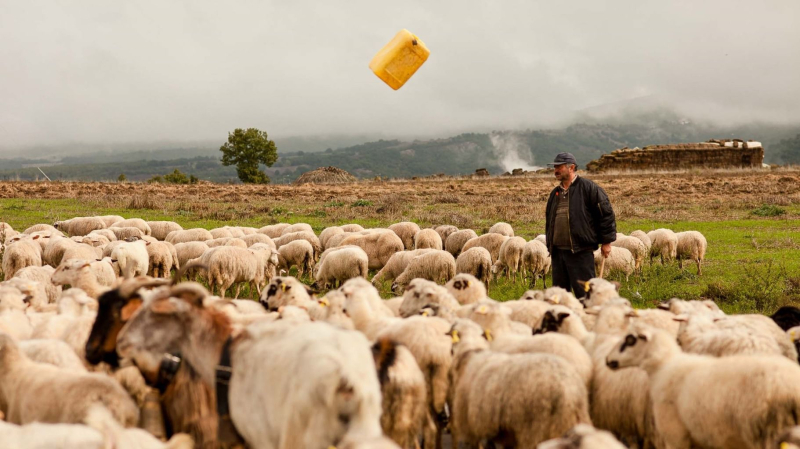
(564,158)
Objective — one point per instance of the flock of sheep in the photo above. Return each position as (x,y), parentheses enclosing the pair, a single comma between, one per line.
(131,356)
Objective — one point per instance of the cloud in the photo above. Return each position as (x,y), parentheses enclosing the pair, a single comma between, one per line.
(98,71)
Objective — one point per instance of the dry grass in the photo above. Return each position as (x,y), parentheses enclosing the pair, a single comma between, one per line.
(464,202)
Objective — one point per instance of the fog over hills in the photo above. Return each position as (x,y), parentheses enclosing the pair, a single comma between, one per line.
(144,74)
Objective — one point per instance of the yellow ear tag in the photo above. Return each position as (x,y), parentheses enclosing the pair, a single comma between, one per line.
(791,335)
(424,313)
(482,310)
(323,302)
(455,336)
(466,283)
(784,445)
(283,287)
(587,286)
(488,334)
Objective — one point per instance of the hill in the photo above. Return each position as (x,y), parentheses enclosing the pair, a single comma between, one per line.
(497,151)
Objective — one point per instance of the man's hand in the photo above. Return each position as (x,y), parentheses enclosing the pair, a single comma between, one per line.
(605,249)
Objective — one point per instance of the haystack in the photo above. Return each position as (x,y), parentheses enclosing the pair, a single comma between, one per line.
(325,175)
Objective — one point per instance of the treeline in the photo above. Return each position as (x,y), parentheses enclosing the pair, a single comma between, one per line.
(458,155)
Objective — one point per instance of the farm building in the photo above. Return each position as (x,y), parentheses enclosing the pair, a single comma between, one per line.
(711,154)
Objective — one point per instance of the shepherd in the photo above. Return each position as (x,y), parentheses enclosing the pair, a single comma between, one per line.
(578,218)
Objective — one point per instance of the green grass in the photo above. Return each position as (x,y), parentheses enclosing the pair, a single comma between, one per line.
(752,265)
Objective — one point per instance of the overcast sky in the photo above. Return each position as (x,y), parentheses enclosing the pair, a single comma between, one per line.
(121,71)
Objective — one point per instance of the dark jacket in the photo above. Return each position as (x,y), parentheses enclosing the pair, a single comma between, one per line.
(591,218)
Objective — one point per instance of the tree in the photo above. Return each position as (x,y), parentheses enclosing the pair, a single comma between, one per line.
(176,177)
(246,149)
(122,177)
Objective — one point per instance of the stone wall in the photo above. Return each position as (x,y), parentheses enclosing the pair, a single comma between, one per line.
(711,154)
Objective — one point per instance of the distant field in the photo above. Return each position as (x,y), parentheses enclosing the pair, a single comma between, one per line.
(750,218)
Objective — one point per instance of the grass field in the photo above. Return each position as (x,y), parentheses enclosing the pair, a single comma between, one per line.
(751,219)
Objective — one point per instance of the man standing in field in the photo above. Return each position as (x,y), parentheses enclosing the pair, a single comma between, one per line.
(578,218)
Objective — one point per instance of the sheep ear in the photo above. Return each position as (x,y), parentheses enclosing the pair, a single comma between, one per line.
(86,265)
(617,285)
(680,318)
(592,311)
(632,314)
(128,310)
(644,336)
(466,283)
(562,316)
(310,291)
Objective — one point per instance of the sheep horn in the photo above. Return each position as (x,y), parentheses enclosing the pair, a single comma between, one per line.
(128,288)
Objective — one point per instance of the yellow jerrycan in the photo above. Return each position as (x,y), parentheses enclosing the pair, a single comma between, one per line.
(399,59)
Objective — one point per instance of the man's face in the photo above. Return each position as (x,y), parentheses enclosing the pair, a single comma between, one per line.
(563,172)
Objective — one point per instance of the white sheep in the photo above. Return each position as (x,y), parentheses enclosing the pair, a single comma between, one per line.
(111,220)
(522,385)
(338,392)
(13,320)
(406,230)
(122,233)
(699,334)
(297,253)
(641,235)
(273,231)
(104,233)
(637,248)
(379,245)
(692,245)
(189,235)
(755,416)
(252,239)
(352,227)
(535,262)
(308,236)
(163,257)
(80,226)
(44,393)
(396,264)
(41,277)
(95,240)
(445,231)
(620,259)
(52,352)
(502,229)
(466,288)
(82,251)
(583,436)
(94,278)
(21,253)
(403,391)
(476,261)
(664,243)
(33,228)
(455,241)
(297,227)
(188,251)
(286,291)
(427,238)
(437,266)
(510,257)
(226,241)
(491,241)
(327,233)
(131,258)
(135,223)
(339,266)
(160,229)
(420,293)
(229,265)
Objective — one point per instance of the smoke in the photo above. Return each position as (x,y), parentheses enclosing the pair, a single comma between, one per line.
(511,153)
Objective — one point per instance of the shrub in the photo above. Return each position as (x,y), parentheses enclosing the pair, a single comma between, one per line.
(361,203)
(122,177)
(768,210)
(176,177)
